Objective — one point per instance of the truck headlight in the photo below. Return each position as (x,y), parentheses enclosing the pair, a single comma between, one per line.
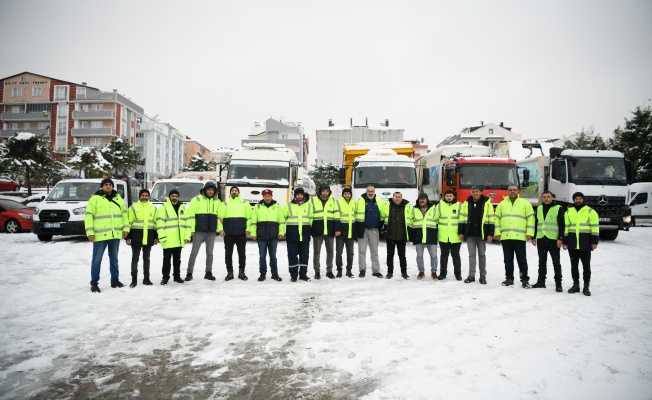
(627,219)
(79,211)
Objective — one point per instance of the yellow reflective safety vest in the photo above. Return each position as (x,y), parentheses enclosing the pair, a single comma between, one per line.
(424,226)
(106,218)
(548,226)
(582,228)
(347,217)
(267,222)
(447,217)
(514,221)
(325,217)
(298,219)
(142,222)
(173,229)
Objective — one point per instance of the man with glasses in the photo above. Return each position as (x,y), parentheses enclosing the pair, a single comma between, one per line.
(549,231)
(369,215)
(514,226)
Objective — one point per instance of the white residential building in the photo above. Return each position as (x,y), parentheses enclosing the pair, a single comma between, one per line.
(162,146)
(483,135)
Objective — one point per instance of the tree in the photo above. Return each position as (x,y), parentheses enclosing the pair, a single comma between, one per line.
(89,162)
(586,140)
(121,156)
(635,141)
(325,174)
(197,163)
(27,156)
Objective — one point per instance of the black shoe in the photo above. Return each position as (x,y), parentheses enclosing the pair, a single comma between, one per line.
(458,277)
(389,276)
(441,277)
(178,279)
(362,274)
(575,288)
(349,274)
(146,281)
(377,274)
(404,275)
(483,279)
(117,284)
(241,275)
(508,282)
(95,289)
(526,284)
(261,277)
(207,275)
(304,278)
(229,276)
(189,277)
(133,284)
(469,279)
(539,285)
(164,281)
(293,279)
(317,275)
(277,278)
(558,287)
(585,290)
(330,275)
(339,272)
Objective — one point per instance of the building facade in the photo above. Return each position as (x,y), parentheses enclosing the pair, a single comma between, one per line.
(193,148)
(162,146)
(65,112)
(484,135)
(278,131)
(331,140)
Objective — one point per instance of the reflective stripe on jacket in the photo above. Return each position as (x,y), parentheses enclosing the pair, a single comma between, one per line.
(204,213)
(325,217)
(141,218)
(447,217)
(424,226)
(236,216)
(514,221)
(347,217)
(106,219)
(360,210)
(173,230)
(487,224)
(548,226)
(298,218)
(267,222)
(582,228)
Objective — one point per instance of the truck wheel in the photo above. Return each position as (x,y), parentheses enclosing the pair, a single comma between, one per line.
(12,226)
(609,235)
(44,238)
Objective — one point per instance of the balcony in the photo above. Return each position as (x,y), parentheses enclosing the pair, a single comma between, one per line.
(33,116)
(94,95)
(7,133)
(92,132)
(88,115)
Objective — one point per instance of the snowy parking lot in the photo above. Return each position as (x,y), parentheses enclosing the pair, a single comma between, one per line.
(343,338)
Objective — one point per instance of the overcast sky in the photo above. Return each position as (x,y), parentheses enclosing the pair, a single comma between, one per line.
(213,68)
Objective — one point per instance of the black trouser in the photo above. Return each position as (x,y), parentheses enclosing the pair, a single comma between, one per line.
(575,257)
(545,246)
(511,247)
(135,256)
(340,243)
(298,256)
(400,246)
(175,254)
(454,250)
(240,242)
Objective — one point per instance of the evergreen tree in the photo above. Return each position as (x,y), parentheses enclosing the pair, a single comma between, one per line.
(89,161)
(197,163)
(27,156)
(121,156)
(635,141)
(326,174)
(586,140)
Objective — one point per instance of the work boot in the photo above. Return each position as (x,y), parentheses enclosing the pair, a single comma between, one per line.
(261,278)
(146,281)
(558,287)
(339,272)
(508,282)
(276,278)
(117,284)
(330,275)
(207,275)
(389,276)
(229,275)
(526,284)
(541,284)
(483,279)
(469,279)
(95,289)
(134,282)
(189,277)
(434,276)
(304,278)
(178,279)
(317,275)
(349,274)
(586,289)
(293,279)
(241,275)
(458,277)
(377,274)
(164,281)
(575,288)
(421,276)
(404,275)
(362,272)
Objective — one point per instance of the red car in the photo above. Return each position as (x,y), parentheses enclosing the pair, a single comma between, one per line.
(15,217)
(8,185)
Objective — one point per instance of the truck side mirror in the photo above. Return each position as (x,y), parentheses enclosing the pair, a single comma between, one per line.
(449,176)
(631,172)
(426,176)
(526,178)
(342,175)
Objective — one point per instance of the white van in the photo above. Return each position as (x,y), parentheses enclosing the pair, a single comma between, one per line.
(640,201)
(62,211)
(188,188)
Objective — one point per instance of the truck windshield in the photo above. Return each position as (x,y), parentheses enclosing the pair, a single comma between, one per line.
(187,190)
(385,176)
(77,191)
(258,173)
(491,176)
(597,171)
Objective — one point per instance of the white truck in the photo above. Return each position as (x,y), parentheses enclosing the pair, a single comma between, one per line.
(187,187)
(258,166)
(388,171)
(601,175)
(640,201)
(62,211)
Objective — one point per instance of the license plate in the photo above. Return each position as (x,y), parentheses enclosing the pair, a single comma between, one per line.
(51,225)
(605,219)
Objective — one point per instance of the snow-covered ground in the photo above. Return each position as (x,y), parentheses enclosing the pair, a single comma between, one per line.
(343,338)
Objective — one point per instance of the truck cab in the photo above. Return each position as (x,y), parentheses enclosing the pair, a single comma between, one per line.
(188,188)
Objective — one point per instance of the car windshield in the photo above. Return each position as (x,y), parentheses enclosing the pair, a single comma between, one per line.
(597,171)
(187,190)
(73,191)
(12,205)
(489,176)
(384,176)
(279,174)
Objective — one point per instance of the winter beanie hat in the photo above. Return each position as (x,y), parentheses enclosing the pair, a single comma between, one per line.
(299,190)
(107,180)
(173,191)
(143,191)
(578,194)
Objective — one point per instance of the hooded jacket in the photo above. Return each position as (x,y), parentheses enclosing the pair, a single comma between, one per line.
(106,216)
(204,212)
(267,221)
(424,227)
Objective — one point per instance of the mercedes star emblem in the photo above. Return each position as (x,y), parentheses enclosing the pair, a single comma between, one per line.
(603,200)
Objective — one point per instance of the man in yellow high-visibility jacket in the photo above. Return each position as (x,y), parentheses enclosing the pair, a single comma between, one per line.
(347,238)
(548,232)
(581,235)
(142,235)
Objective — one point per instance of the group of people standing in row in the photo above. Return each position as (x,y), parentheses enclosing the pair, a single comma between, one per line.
(338,225)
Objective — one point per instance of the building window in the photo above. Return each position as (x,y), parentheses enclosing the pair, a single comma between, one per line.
(61,93)
(62,127)
(17,91)
(96,124)
(96,142)
(84,107)
(81,92)
(37,90)
(491,131)
(97,107)
(15,109)
(13,126)
(43,125)
(62,111)
(26,125)
(62,144)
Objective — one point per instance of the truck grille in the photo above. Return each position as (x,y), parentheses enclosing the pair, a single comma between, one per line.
(54,216)
(613,207)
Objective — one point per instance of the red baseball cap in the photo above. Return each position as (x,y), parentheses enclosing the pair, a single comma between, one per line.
(267,191)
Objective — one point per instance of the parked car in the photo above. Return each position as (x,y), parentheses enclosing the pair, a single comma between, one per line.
(8,185)
(15,217)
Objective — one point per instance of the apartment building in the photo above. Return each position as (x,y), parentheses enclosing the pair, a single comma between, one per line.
(193,148)
(484,135)
(162,146)
(278,131)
